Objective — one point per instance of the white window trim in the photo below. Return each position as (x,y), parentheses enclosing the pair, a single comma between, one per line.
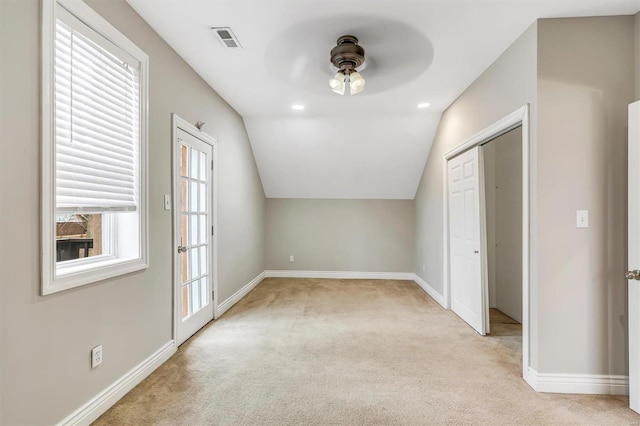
(108,267)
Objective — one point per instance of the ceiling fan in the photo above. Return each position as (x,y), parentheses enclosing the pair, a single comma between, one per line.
(347,56)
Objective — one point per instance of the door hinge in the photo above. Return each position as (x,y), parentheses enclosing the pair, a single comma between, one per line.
(211,164)
(212,230)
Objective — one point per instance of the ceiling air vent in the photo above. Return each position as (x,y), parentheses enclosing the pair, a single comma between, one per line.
(227,37)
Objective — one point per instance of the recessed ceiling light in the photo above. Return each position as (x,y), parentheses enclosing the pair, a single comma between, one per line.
(297,107)
(424,105)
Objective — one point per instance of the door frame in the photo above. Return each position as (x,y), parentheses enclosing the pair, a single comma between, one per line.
(179,123)
(633,237)
(518,118)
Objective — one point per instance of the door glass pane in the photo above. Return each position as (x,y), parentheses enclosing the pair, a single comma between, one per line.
(185,301)
(193,240)
(204,294)
(203,169)
(195,296)
(184,195)
(203,260)
(184,267)
(194,197)
(203,197)
(184,230)
(193,263)
(194,164)
(184,160)
(203,229)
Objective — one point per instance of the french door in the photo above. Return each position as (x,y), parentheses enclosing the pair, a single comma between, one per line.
(193,284)
(468,292)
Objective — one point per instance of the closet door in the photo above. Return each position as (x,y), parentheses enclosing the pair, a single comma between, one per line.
(465,257)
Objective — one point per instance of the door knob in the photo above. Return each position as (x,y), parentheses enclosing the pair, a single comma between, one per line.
(633,275)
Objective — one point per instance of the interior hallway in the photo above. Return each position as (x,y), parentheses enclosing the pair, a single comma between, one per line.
(317,351)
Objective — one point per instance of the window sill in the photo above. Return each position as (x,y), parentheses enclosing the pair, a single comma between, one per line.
(89,273)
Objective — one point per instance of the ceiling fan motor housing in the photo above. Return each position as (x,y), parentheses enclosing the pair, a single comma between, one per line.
(347,55)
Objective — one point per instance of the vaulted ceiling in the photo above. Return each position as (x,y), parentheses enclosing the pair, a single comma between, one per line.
(371,145)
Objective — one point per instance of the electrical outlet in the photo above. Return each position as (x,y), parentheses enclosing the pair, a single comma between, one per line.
(291,258)
(96,356)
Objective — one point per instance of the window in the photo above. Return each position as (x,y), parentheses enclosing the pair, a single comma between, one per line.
(94,149)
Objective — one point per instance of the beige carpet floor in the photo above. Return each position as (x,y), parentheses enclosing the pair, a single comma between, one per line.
(358,352)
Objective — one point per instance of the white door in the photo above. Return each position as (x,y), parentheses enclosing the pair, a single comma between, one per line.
(193,280)
(465,261)
(633,242)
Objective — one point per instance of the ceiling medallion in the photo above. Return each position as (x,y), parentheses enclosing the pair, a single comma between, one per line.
(347,56)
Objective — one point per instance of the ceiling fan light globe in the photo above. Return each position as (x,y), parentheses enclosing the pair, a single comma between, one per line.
(337,80)
(337,83)
(356,83)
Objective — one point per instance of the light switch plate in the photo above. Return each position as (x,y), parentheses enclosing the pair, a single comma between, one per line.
(582,218)
(167,202)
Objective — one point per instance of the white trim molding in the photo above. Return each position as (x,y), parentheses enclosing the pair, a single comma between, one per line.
(238,295)
(100,403)
(594,384)
(341,275)
(429,290)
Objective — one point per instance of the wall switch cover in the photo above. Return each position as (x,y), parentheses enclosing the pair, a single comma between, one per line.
(582,218)
(167,202)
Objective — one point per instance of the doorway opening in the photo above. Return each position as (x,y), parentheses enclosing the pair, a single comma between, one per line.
(503,223)
(465,256)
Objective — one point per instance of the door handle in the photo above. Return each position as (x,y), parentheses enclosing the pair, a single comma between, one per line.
(182,249)
(633,275)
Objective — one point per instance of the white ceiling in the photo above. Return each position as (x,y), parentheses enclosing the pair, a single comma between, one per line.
(374,144)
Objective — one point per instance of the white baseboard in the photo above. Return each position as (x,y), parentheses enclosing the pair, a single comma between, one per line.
(597,384)
(235,298)
(341,275)
(429,290)
(100,403)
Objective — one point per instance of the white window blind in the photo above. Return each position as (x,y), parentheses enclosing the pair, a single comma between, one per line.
(97,125)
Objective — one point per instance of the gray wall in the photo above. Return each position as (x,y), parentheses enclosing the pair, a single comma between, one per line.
(340,235)
(503,189)
(585,83)
(45,341)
